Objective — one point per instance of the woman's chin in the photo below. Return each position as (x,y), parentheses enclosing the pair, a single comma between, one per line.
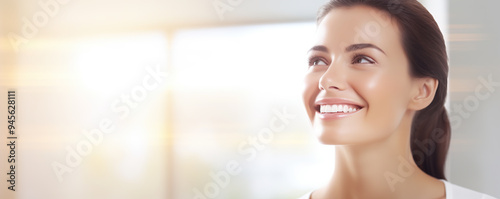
(333,137)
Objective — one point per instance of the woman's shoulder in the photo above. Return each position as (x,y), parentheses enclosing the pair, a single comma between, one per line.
(452,192)
(457,192)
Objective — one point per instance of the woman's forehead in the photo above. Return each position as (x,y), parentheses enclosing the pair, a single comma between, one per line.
(358,24)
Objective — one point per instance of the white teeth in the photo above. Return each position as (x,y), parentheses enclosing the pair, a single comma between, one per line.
(337,108)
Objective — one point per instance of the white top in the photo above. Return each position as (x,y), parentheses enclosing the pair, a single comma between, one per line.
(452,192)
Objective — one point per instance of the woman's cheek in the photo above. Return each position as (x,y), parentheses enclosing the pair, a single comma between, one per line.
(383,94)
(310,91)
(373,88)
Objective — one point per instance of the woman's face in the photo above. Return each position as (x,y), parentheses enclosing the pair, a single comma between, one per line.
(358,85)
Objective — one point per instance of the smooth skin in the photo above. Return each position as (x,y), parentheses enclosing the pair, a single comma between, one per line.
(354,60)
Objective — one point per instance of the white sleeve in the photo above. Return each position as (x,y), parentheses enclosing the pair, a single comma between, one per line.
(308,196)
(457,192)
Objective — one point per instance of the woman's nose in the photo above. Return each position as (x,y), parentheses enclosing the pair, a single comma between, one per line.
(333,78)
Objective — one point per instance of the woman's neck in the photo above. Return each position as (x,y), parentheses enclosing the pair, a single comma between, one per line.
(383,169)
(375,170)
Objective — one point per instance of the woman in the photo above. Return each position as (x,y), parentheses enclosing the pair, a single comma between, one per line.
(375,88)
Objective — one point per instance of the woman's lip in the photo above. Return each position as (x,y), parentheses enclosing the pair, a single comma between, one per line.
(330,116)
(331,101)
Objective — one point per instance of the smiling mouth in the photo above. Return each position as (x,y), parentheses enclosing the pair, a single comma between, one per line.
(337,108)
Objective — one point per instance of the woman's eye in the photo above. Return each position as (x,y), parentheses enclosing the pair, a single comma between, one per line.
(362,59)
(317,62)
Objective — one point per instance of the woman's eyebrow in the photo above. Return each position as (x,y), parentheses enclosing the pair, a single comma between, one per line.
(354,47)
(319,48)
(350,48)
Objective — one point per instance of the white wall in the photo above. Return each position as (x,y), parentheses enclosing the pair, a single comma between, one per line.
(474,46)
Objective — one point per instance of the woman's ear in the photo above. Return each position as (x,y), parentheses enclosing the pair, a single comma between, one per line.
(424,91)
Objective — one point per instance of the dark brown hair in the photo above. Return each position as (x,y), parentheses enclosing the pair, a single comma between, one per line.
(425,49)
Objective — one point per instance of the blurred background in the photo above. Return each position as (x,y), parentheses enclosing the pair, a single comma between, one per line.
(201,99)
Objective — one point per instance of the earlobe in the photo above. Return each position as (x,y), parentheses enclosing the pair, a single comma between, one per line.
(425,91)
